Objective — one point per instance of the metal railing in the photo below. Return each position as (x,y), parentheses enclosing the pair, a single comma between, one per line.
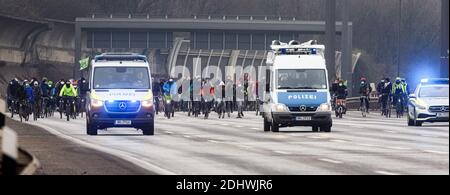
(195,17)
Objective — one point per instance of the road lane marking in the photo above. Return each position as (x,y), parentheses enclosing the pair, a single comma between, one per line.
(386,173)
(398,148)
(245,147)
(389,131)
(282,152)
(255,128)
(368,145)
(432,136)
(330,160)
(214,141)
(187,136)
(316,137)
(339,140)
(435,152)
(169,132)
(238,126)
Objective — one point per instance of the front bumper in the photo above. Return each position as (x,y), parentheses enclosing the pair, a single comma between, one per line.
(425,116)
(290,119)
(104,119)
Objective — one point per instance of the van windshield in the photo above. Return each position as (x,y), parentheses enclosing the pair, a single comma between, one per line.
(302,79)
(121,78)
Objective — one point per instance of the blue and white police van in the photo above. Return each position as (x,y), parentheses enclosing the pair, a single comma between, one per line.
(297,91)
(120,93)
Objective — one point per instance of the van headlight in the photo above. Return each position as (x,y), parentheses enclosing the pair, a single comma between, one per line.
(325,107)
(96,103)
(280,108)
(421,105)
(147,103)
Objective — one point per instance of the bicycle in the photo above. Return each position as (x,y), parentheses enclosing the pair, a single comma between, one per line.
(68,104)
(14,107)
(364,109)
(340,108)
(24,113)
(399,107)
(36,110)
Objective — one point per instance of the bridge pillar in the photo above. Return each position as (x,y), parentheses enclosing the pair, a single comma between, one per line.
(347,65)
(330,37)
(444,39)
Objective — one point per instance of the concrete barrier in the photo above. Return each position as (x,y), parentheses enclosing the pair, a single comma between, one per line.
(14,160)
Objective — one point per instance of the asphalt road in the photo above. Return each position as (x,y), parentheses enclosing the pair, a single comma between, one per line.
(58,156)
(185,145)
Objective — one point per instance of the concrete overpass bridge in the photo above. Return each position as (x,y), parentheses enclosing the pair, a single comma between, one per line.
(217,40)
(56,46)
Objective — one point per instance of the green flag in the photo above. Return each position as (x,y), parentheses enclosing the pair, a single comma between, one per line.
(84,63)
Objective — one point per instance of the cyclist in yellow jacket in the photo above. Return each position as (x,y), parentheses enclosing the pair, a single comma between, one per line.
(68,90)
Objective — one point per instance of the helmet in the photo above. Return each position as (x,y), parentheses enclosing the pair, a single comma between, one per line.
(35,83)
(44,79)
(363,79)
(222,83)
(170,80)
(50,83)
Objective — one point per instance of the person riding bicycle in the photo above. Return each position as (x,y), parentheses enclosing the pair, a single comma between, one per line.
(28,92)
(12,91)
(334,88)
(68,93)
(406,95)
(37,96)
(398,92)
(156,89)
(364,91)
(45,88)
(385,94)
(341,95)
(169,91)
(240,98)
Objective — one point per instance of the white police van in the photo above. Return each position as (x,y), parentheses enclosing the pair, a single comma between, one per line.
(120,93)
(297,93)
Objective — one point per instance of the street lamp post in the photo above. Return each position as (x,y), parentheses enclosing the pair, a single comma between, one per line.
(399,38)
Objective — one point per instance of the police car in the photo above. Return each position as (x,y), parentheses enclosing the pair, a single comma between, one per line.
(120,93)
(298,92)
(429,103)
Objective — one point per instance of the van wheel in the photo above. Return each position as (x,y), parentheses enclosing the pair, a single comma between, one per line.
(149,130)
(266,125)
(326,129)
(275,127)
(91,129)
(410,121)
(315,128)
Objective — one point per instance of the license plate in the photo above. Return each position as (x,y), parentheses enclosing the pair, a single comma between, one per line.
(122,122)
(303,118)
(442,114)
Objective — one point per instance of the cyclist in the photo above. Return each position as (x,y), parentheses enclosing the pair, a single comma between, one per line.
(406,95)
(68,93)
(37,96)
(397,93)
(364,91)
(385,95)
(169,90)
(341,95)
(334,88)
